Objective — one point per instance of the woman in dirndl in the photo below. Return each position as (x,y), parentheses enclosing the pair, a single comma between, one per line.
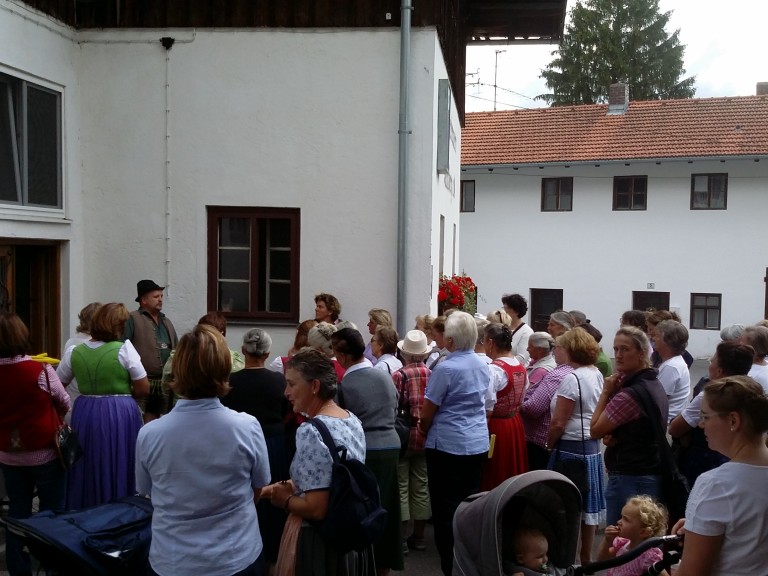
(505,395)
(569,437)
(105,416)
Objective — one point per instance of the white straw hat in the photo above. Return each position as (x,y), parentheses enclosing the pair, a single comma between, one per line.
(415,343)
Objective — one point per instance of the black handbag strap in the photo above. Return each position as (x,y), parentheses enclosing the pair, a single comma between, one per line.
(581,420)
(325,434)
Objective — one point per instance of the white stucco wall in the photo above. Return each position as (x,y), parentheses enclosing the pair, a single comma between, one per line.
(42,51)
(257,118)
(599,256)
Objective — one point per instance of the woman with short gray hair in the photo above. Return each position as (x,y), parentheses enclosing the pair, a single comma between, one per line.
(757,337)
(261,393)
(670,343)
(559,323)
(454,422)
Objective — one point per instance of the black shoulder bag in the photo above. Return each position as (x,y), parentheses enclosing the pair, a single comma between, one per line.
(575,469)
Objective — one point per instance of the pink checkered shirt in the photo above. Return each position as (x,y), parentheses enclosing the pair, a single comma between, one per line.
(535,410)
(411,382)
(60,398)
(622,408)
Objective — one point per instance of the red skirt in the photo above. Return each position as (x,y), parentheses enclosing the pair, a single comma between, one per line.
(510,456)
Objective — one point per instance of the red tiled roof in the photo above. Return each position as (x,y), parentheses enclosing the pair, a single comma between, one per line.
(698,127)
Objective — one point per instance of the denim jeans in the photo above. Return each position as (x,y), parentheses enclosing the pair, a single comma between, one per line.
(258,568)
(20,484)
(621,487)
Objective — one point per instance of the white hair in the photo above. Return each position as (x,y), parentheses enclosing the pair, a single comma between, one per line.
(460,327)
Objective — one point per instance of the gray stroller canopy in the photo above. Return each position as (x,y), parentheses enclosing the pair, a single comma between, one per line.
(484,523)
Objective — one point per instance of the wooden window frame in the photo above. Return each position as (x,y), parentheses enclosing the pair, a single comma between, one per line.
(706,308)
(633,182)
(709,176)
(560,181)
(257,284)
(464,205)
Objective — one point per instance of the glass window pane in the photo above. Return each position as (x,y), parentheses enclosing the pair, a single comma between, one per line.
(698,318)
(566,186)
(279,233)
(713,301)
(234,264)
(468,199)
(233,296)
(622,202)
(700,200)
(718,199)
(9,174)
(550,200)
(699,300)
(235,232)
(550,185)
(700,183)
(565,201)
(42,147)
(622,185)
(713,318)
(280,265)
(640,185)
(279,297)
(638,201)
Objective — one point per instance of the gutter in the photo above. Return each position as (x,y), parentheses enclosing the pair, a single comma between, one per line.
(403,132)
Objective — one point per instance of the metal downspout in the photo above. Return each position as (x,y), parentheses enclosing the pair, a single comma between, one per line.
(403,132)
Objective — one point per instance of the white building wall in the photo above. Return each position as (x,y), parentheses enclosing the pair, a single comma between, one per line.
(40,50)
(288,118)
(599,256)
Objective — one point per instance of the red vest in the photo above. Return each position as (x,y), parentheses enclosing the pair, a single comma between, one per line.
(509,399)
(28,419)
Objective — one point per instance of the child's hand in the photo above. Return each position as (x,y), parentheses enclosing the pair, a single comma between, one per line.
(611,532)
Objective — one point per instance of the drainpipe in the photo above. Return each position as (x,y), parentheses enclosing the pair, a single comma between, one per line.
(402,171)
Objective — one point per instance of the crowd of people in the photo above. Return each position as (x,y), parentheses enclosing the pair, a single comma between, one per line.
(220,442)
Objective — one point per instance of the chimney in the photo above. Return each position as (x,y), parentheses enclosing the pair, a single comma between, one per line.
(762,88)
(618,98)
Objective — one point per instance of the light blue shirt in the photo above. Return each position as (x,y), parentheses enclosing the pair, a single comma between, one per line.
(200,464)
(458,386)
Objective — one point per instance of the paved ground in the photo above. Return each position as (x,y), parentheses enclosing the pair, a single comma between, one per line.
(416,563)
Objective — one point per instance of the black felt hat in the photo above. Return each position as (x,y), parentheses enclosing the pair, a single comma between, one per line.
(144,286)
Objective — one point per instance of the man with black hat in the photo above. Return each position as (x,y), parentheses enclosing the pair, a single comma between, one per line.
(153,336)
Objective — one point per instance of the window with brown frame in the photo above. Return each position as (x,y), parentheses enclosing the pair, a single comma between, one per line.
(630,192)
(709,191)
(705,311)
(556,194)
(253,262)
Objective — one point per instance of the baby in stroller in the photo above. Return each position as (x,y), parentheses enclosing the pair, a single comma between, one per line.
(530,548)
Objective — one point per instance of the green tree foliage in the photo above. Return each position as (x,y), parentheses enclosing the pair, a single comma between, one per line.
(610,41)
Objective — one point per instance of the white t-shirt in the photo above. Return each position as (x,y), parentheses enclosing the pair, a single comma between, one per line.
(591,386)
(676,380)
(760,375)
(692,412)
(520,344)
(733,500)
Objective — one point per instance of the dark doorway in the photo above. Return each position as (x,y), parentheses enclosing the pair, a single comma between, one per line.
(544,301)
(650,301)
(30,287)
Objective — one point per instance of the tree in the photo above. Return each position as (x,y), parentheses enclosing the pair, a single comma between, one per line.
(611,41)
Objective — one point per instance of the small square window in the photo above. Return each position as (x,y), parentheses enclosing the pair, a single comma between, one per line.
(253,262)
(705,311)
(556,194)
(467,196)
(630,192)
(709,191)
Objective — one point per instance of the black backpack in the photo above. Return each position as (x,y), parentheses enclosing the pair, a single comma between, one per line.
(355,517)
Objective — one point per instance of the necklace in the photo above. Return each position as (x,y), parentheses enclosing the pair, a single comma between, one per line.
(323,407)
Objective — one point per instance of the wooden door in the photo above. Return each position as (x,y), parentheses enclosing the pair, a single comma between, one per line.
(544,301)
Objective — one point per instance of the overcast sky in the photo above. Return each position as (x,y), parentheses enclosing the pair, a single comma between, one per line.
(725,50)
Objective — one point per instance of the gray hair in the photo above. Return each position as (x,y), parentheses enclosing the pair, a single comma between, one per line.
(732,332)
(757,337)
(346,324)
(579,317)
(481,323)
(461,328)
(320,337)
(542,340)
(674,335)
(257,342)
(563,318)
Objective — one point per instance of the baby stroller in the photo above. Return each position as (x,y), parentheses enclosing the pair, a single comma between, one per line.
(542,499)
(108,540)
